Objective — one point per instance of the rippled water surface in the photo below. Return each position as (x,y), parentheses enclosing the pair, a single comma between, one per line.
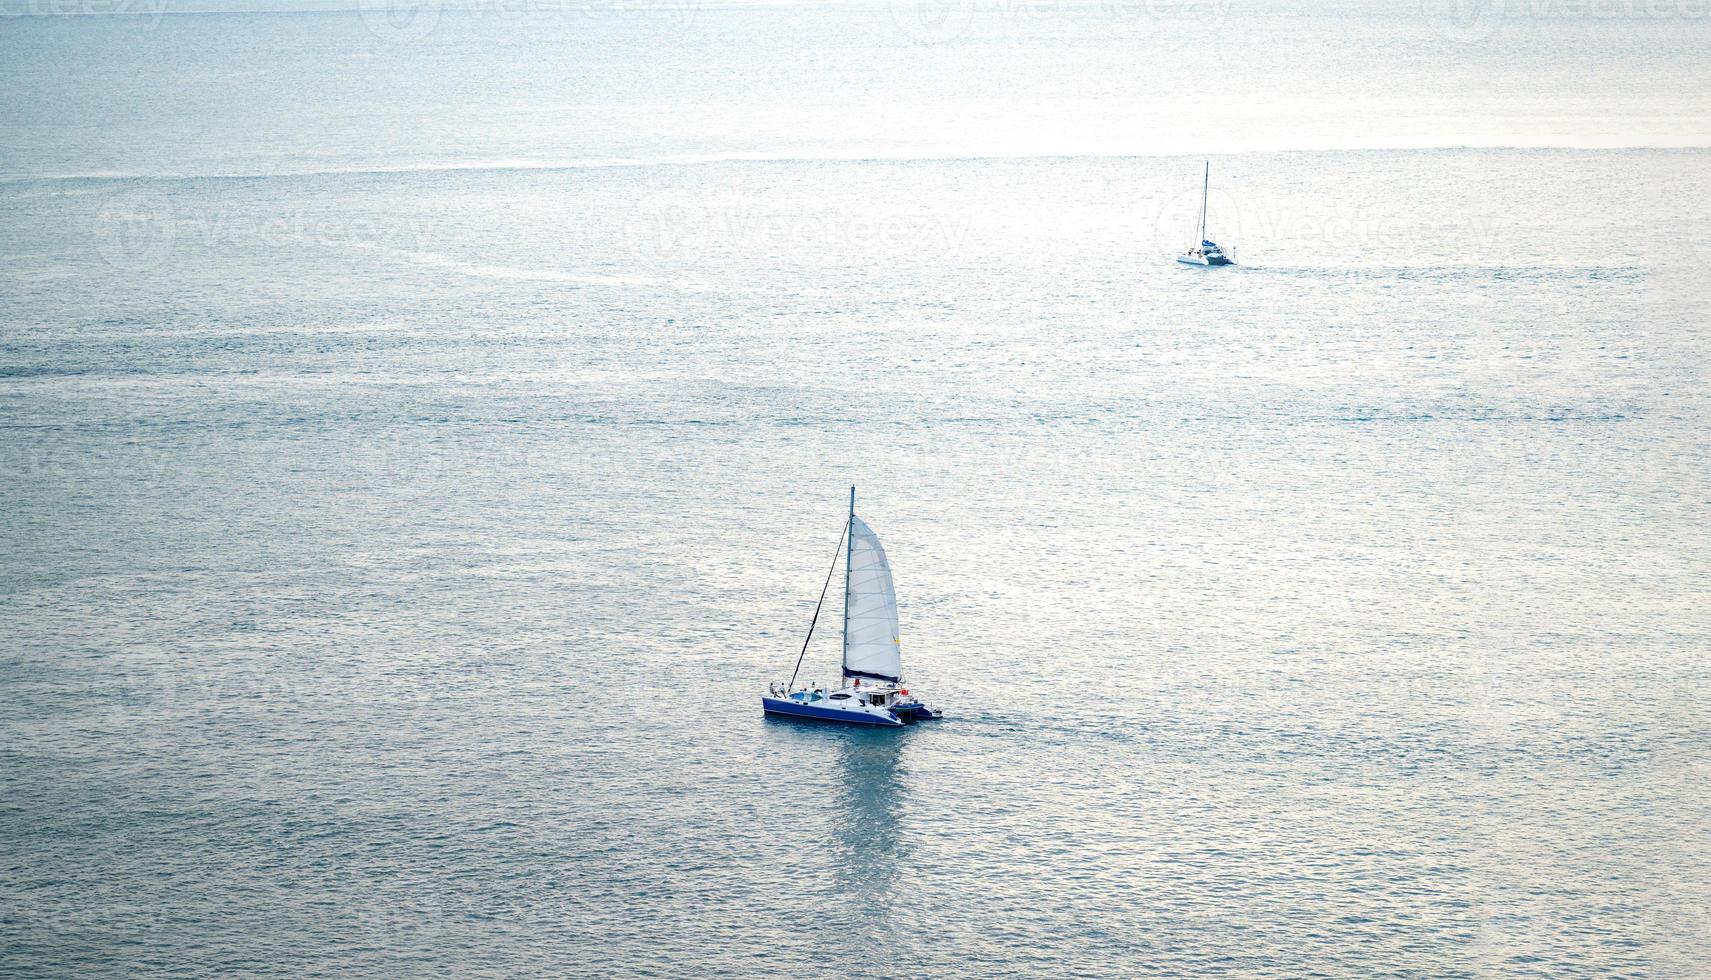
(411,479)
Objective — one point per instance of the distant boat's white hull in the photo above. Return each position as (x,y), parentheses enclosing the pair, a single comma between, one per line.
(1188,258)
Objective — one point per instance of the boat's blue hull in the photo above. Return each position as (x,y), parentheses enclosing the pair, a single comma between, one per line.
(796,709)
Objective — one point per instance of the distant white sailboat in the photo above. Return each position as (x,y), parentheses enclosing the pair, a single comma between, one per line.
(1207,252)
(872,692)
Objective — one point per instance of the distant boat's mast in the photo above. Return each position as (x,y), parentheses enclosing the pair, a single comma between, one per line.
(1205,189)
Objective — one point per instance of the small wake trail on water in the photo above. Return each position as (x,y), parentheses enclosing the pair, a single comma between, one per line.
(482,270)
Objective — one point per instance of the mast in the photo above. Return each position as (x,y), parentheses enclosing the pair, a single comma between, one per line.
(849,528)
(1205,189)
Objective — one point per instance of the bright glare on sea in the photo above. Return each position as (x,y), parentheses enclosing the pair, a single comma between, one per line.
(424,433)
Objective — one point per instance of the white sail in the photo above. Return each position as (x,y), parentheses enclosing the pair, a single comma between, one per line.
(871,646)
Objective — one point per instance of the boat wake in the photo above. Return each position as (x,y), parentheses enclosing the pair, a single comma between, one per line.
(483,270)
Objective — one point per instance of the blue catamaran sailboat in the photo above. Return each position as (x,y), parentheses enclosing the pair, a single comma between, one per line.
(872,692)
(1207,252)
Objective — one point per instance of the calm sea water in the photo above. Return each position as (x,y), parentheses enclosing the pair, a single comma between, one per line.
(422,437)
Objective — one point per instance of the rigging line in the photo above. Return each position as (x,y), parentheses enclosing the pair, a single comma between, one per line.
(817,605)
